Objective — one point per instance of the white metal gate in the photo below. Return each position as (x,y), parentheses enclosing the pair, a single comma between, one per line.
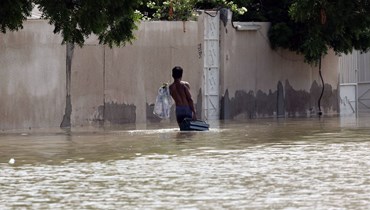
(363,97)
(348,99)
(355,86)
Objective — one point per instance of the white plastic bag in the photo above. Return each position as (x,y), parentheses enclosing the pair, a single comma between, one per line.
(163,102)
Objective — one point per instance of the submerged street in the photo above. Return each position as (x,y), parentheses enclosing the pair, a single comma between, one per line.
(257,164)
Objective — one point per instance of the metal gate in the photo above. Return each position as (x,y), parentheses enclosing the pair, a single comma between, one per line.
(363,97)
(355,84)
(348,99)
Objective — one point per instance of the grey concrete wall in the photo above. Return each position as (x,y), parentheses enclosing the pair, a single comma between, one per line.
(119,85)
(134,73)
(32,77)
(257,81)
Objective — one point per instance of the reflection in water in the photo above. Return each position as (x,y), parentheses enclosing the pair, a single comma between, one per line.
(185,136)
(273,164)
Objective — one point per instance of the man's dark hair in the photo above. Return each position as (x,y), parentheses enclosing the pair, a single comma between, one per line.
(177,72)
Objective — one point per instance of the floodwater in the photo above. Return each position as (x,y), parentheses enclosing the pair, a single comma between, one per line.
(258,164)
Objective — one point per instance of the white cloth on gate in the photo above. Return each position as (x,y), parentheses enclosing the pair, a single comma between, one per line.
(163,102)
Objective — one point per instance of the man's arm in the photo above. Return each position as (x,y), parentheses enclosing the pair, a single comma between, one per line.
(190,100)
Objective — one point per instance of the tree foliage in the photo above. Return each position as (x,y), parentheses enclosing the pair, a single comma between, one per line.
(308,27)
(12,14)
(341,25)
(183,9)
(112,21)
(312,27)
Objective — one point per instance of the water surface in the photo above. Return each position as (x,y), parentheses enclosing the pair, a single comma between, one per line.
(259,164)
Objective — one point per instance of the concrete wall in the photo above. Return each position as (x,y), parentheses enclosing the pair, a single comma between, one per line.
(257,81)
(32,77)
(119,85)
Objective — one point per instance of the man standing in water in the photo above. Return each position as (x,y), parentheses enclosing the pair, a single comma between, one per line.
(179,91)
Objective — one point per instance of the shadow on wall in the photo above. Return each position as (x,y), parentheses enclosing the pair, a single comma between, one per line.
(118,113)
(244,105)
(293,103)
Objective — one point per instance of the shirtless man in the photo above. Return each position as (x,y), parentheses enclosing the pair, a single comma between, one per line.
(179,91)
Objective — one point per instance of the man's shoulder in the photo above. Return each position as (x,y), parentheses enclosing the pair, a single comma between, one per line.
(186,84)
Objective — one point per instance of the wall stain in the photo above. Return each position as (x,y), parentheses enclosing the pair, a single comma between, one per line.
(98,116)
(266,103)
(224,17)
(200,51)
(297,102)
(243,103)
(280,103)
(198,105)
(118,113)
(280,100)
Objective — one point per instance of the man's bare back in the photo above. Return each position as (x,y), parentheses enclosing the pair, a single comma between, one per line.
(180,92)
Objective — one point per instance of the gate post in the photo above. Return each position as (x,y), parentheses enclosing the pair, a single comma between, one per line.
(211,66)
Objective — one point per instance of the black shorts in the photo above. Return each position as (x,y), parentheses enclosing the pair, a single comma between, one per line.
(183,112)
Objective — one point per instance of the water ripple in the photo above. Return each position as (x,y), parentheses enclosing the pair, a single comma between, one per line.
(265,169)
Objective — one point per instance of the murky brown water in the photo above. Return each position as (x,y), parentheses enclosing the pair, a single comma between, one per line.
(261,164)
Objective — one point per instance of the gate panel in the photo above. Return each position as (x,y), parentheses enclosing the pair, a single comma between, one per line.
(364,97)
(348,102)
